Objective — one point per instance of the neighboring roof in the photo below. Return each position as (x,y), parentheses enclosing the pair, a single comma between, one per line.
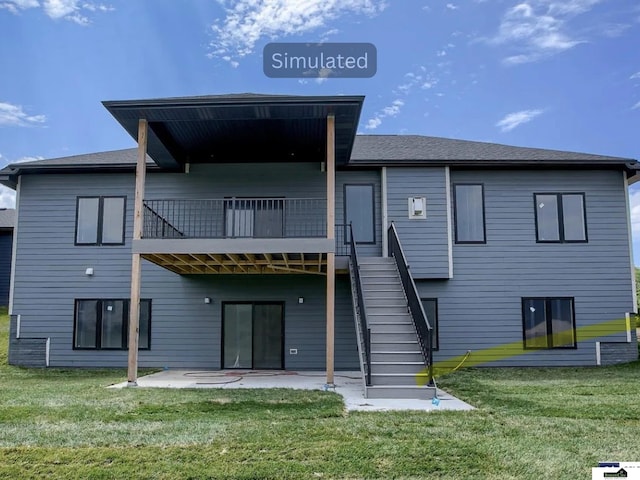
(241,127)
(7,218)
(401,149)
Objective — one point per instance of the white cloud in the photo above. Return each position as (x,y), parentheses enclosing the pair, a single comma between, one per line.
(389,111)
(569,7)
(15,116)
(56,9)
(451,6)
(14,6)
(635,76)
(636,106)
(441,53)
(538,28)
(515,119)
(7,197)
(249,21)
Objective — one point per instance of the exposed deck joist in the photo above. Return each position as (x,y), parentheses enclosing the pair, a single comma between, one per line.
(240,263)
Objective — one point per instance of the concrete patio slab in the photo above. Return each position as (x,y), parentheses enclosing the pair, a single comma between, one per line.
(347,384)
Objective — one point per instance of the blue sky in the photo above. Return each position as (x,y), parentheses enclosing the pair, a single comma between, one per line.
(544,73)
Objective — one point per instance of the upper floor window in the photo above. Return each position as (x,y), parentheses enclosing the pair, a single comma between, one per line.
(359,210)
(560,217)
(469,213)
(103,324)
(100,220)
(548,323)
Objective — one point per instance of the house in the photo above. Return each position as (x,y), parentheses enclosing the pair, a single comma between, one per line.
(260,232)
(7,218)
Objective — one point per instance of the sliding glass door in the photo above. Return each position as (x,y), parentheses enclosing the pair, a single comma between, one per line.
(252,335)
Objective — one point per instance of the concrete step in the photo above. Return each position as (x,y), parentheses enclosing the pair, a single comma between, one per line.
(394,337)
(398,392)
(398,367)
(381,343)
(409,379)
(396,356)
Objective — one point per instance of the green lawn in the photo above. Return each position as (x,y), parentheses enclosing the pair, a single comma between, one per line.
(531,424)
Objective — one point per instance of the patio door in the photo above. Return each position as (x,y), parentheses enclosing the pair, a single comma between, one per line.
(254,217)
(252,335)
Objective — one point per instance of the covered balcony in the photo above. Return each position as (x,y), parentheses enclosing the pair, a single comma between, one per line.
(238,235)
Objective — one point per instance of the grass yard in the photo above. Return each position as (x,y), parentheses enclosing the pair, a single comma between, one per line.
(530,424)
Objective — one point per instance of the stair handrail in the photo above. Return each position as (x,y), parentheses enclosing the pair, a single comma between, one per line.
(362,315)
(418,315)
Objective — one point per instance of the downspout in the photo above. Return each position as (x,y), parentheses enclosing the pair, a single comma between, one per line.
(630,239)
(14,247)
(447,181)
(385,214)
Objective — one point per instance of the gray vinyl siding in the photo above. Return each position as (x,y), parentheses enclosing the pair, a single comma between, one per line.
(185,332)
(6,243)
(480,307)
(425,242)
(249,180)
(362,177)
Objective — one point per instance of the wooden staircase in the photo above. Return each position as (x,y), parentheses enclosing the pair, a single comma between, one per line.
(397,363)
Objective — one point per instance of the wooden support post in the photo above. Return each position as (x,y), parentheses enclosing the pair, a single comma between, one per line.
(134,306)
(331,265)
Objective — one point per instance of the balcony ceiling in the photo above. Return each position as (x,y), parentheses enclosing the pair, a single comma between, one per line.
(240,263)
(241,128)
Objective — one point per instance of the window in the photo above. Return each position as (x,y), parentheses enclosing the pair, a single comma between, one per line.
(104,324)
(548,323)
(430,306)
(560,217)
(100,220)
(359,210)
(469,213)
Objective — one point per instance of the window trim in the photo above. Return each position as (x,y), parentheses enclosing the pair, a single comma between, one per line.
(560,212)
(100,222)
(455,215)
(125,323)
(373,210)
(436,322)
(547,308)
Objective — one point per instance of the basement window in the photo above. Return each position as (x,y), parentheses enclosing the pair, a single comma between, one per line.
(548,323)
(103,324)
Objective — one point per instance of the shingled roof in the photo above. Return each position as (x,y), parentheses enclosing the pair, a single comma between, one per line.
(395,149)
(368,150)
(7,218)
